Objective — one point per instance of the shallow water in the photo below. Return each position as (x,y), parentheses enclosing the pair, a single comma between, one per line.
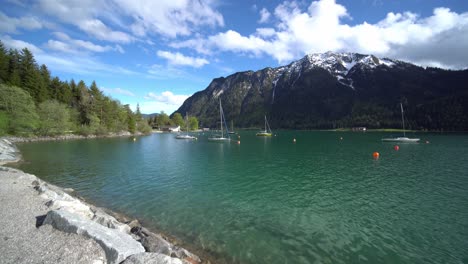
(268,200)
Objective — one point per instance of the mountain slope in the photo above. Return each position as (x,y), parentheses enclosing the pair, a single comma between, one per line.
(331,90)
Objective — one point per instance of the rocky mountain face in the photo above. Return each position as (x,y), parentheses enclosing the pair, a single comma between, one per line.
(332,90)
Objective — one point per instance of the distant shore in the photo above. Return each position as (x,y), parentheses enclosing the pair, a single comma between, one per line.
(59,227)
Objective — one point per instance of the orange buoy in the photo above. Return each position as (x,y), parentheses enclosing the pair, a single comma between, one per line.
(396,147)
(376,155)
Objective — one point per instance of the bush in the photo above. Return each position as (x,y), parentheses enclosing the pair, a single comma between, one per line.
(4,120)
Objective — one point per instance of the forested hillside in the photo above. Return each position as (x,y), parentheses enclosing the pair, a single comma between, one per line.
(337,90)
(32,101)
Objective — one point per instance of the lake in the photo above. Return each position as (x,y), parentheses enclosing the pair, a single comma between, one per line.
(268,200)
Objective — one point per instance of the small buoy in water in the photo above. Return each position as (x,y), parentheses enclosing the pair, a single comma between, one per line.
(427,141)
(294,140)
(375,155)
(396,147)
(341,138)
(134,139)
(238,142)
(238,136)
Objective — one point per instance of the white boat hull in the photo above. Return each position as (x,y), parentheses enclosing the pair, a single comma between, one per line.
(219,139)
(185,137)
(401,139)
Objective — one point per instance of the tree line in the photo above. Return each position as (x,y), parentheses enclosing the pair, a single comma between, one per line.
(161,120)
(32,101)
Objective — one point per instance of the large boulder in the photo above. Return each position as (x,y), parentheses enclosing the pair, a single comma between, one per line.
(152,258)
(117,245)
(109,221)
(8,152)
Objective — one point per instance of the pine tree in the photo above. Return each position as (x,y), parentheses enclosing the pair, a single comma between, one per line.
(46,88)
(14,77)
(4,63)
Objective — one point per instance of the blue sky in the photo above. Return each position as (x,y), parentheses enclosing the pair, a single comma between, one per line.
(157,53)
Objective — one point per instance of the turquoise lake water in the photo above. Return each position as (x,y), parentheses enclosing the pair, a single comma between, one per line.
(268,200)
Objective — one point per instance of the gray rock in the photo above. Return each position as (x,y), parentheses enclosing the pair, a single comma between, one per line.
(117,245)
(106,220)
(8,152)
(182,253)
(151,258)
(155,243)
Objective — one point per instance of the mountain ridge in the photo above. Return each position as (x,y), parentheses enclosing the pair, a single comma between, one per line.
(331,90)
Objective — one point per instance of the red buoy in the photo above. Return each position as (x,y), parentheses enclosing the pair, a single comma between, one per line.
(376,155)
(396,147)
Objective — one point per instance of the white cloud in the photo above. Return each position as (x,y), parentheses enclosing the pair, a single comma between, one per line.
(77,46)
(167,97)
(11,25)
(117,91)
(67,63)
(19,44)
(180,59)
(97,29)
(166,101)
(170,18)
(119,49)
(439,39)
(264,16)
(150,107)
(160,72)
(83,14)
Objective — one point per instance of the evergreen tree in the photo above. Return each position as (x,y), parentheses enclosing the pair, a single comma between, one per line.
(46,83)
(138,115)
(14,77)
(130,119)
(4,63)
(31,79)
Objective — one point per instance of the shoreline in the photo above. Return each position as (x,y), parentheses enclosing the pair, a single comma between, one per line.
(69,213)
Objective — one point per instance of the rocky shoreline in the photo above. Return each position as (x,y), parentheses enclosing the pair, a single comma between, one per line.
(78,231)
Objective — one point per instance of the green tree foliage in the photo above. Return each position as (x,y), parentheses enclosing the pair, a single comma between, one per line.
(130,119)
(193,123)
(31,79)
(163,119)
(55,118)
(4,64)
(178,120)
(4,120)
(20,110)
(28,86)
(14,68)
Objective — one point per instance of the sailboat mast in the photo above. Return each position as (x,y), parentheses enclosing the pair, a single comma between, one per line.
(402,119)
(221,116)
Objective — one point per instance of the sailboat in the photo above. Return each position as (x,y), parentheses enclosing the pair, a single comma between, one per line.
(186,136)
(402,139)
(267,131)
(222,137)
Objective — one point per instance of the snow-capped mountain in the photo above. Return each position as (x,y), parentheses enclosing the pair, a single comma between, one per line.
(327,90)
